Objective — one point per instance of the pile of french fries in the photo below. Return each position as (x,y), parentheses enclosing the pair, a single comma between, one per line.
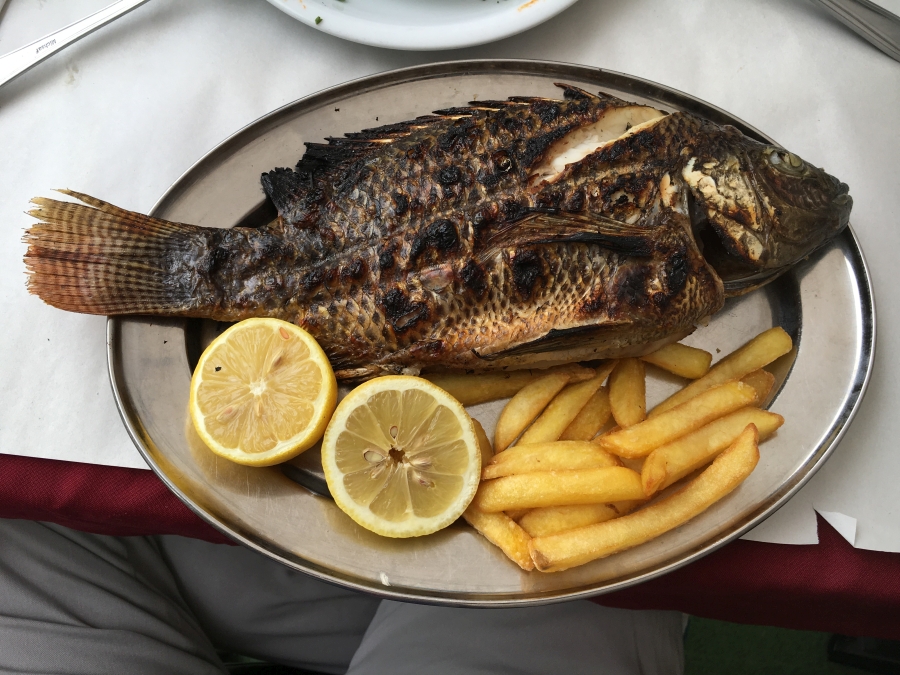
(577,461)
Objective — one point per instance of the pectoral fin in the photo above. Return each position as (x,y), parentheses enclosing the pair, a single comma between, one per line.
(557,340)
(557,227)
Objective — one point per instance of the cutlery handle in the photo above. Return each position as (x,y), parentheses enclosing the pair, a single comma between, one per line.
(15,63)
(874,23)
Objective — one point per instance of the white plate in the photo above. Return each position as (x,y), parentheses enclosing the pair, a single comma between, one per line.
(422,24)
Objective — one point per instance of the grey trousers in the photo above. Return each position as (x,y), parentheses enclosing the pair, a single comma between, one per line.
(78,603)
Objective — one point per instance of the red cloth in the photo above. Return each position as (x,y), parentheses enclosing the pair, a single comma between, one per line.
(99,499)
(830,587)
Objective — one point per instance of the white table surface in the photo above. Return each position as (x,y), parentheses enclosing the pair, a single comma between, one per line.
(124,112)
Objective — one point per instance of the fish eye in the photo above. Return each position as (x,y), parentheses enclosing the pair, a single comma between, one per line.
(786,161)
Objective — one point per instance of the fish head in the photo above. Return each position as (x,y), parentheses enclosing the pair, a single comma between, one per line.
(758,209)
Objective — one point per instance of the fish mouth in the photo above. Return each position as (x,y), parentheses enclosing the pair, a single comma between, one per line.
(843,202)
(843,199)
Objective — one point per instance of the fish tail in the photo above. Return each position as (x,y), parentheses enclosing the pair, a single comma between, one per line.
(96,258)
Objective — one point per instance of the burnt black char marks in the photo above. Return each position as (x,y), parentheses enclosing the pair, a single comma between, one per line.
(575,202)
(386,258)
(548,111)
(473,278)
(312,279)
(528,270)
(401,204)
(631,286)
(460,137)
(438,239)
(402,312)
(534,149)
(354,271)
(677,270)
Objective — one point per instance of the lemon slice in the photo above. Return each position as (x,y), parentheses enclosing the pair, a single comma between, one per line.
(401,457)
(262,392)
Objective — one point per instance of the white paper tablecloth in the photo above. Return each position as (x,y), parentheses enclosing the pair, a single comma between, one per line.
(123,113)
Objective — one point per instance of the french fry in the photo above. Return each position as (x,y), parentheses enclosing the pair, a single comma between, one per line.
(515,514)
(530,452)
(563,409)
(502,531)
(682,360)
(633,463)
(627,506)
(756,354)
(640,439)
(673,461)
(762,381)
(471,389)
(484,443)
(525,406)
(561,551)
(627,392)
(555,519)
(559,488)
(554,456)
(591,419)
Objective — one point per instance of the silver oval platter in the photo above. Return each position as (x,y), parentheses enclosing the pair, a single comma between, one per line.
(825,303)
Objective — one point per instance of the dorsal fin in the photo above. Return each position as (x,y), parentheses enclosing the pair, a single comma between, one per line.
(571,92)
(296,192)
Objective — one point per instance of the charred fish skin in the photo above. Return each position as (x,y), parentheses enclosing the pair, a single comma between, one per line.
(504,234)
(478,266)
(467,165)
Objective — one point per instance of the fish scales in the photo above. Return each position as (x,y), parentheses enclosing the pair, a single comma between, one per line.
(504,234)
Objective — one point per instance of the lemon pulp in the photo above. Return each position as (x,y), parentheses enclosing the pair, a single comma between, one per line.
(262,392)
(401,457)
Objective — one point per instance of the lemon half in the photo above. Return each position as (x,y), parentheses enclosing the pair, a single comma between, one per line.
(262,392)
(401,457)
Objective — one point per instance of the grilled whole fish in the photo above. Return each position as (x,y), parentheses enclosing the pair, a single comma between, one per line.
(504,234)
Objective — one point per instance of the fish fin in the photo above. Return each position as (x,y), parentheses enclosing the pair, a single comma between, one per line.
(284,186)
(340,152)
(557,227)
(296,192)
(359,374)
(96,258)
(392,131)
(556,340)
(571,92)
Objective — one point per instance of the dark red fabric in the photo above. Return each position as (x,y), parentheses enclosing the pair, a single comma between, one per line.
(830,587)
(99,499)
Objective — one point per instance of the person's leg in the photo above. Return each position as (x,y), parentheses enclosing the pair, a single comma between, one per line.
(77,603)
(255,606)
(571,638)
(73,602)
